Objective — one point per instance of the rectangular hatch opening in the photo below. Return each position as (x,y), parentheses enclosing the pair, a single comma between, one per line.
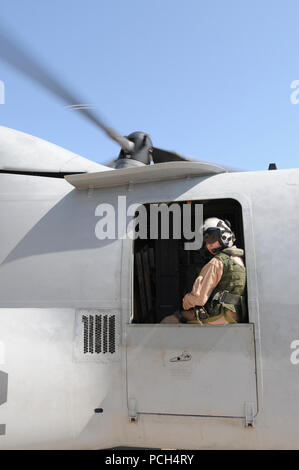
(180,368)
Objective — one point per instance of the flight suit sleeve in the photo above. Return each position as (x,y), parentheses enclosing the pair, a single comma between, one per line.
(204,284)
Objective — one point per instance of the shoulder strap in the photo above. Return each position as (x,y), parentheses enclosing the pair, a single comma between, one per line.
(223,257)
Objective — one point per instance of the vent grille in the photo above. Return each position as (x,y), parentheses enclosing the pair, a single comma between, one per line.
(99,334)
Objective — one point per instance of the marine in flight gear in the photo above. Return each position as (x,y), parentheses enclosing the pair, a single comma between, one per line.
(217,296)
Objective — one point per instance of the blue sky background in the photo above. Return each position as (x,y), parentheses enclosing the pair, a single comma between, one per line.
(209,79)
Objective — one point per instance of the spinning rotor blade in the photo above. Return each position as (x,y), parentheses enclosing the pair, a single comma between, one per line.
(14,55)
(164,156)
(160,156)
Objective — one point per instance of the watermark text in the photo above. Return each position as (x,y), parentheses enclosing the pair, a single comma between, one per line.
(156,221)
(295,354)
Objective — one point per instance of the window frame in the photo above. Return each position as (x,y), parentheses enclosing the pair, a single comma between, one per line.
(248,241)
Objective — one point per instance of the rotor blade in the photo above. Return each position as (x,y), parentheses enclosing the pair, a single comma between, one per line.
(164,156)
(159,156)
(14,55)
(111,163)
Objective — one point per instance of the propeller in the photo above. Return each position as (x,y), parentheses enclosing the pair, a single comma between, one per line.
(13,54)
(136,148)
(159,156)
(164,156)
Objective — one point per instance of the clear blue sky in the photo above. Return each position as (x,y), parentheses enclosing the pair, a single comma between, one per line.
(209,79)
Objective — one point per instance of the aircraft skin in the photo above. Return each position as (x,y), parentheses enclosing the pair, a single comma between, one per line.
(55,272)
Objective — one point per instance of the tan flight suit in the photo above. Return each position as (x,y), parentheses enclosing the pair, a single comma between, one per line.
(203,287)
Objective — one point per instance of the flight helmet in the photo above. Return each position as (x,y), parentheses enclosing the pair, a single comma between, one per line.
(218,229)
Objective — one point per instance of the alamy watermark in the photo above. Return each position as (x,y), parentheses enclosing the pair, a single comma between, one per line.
(295,354)
(2,92)
(294,97)
(151,222)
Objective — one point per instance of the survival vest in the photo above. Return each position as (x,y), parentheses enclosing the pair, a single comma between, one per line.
(233,281)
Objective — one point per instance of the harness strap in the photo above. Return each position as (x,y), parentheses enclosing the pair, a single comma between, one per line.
(224,297)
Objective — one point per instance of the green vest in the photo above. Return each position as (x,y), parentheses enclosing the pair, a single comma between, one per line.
(233,280)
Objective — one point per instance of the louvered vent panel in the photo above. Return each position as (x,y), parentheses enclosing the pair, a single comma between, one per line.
(97,335)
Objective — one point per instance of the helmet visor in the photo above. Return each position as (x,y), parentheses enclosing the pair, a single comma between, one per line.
(211,235)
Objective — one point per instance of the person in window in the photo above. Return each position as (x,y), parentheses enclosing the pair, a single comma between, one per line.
(217,294)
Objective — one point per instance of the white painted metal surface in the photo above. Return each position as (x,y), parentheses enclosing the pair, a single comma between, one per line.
(24,152)
(51,397)
(144,174)
(51,265)
(207,371)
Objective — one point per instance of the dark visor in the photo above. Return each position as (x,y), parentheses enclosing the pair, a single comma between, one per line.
(211,235)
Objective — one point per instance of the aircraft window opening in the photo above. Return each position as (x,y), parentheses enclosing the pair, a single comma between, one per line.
(164,271)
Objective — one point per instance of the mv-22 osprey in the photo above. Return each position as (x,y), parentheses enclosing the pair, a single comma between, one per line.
(84,361)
